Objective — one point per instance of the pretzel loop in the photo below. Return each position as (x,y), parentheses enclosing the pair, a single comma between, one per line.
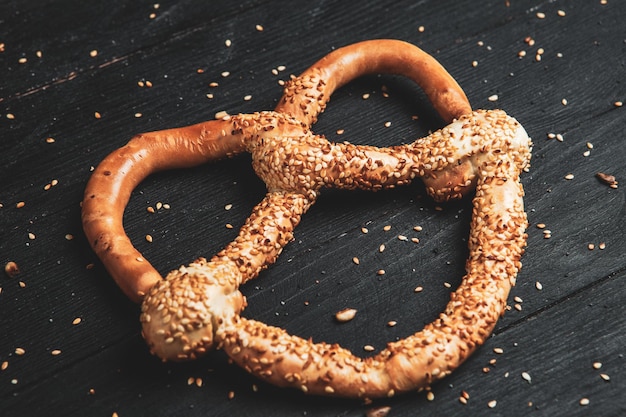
(197,307)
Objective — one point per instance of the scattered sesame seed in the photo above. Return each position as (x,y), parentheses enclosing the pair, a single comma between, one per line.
(221,115)
(55,352)
(345,315)
(69,236)
(355,260)
(50,140)
(231,395)
(93,53)
(564,102)
(10,116)
(225,74)
(430,396)
(229,226)
(97,115)
(259,28)
(387,228)
(190,380)
(541,15)
(605,377)
(602,245)
(387,124)
(569,177)
(521,53)
(418,228)
(368,348)
(541,226)
(4,365)
(228,207)
(340,131)
(538,285)
(138,115)
(228,43)
(498,350)
(149,238)
(584,401)
(11,269)
(403,238)
(561,13)
(20,351)
(492,404)
(150,209)
(247,97)
(597,365)
(31,236)
(365,96)
(415,240)
(22,60)
(493,97)
(526,377)
(20,204)
(364,230)
(591,246)
(76,321)
(418,289)
(380,272)
(618,104)
(421,29)
(198,382)
(381,248)
(447,285)
(474,64)
(213,84)
(559,137)
(392,323)
(281,68)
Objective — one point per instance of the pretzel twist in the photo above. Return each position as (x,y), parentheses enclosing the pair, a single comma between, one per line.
(197,307)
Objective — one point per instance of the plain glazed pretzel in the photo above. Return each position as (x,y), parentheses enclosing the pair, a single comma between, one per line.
(197,307)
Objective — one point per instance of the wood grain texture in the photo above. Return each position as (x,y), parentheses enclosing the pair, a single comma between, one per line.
(554,334)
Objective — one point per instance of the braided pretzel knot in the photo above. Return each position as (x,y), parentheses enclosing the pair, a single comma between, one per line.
(196,307)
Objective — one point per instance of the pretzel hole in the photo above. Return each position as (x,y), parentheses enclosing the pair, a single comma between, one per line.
(315,277)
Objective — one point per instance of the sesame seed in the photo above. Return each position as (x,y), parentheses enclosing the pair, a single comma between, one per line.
(602,246)
(526,377)
(11,269)
(259,28)
(392,323)
(380,272)
(541,226)
(76,321)
(364,230)
(20,204)
(561,13)
(492,404)
(229,226)
(138,115)
(541,15)
(150,209)
(387,228)
(355,260)
(368,348)
(247,98)
(22,60)
(228,43)
(31,236)
(4,365)
(403,238)
(69,236)
(493,97)
(20,351)
(421,29)
(50,140)
(564,102)
(584,401)
(231,395)
(340,131)
(605,377)
(190,380)
(381,248)
(228,207)
(591,246)
(345,315)
(365,96)
(418,228)
(597,365)
(447,285)
(618,104)
(569,177)
(225,74)
(498,350)
(149,238)
(430,396)
(221,115)
(55,352)
(93,53)
(387,124)
(418,289)
(474,64)
(538,285)
(97,115)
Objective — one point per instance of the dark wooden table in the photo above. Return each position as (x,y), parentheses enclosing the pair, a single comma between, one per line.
(79,79)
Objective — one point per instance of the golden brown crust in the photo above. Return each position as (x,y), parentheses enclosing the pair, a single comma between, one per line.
(196,308)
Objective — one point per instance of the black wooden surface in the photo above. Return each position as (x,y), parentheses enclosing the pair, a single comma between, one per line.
(63,61)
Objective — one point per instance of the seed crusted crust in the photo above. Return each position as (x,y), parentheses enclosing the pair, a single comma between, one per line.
(196,307)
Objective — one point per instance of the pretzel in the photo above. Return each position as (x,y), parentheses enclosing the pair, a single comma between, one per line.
(197,307)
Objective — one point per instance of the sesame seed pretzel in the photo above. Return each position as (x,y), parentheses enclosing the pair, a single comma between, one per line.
(197,307)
